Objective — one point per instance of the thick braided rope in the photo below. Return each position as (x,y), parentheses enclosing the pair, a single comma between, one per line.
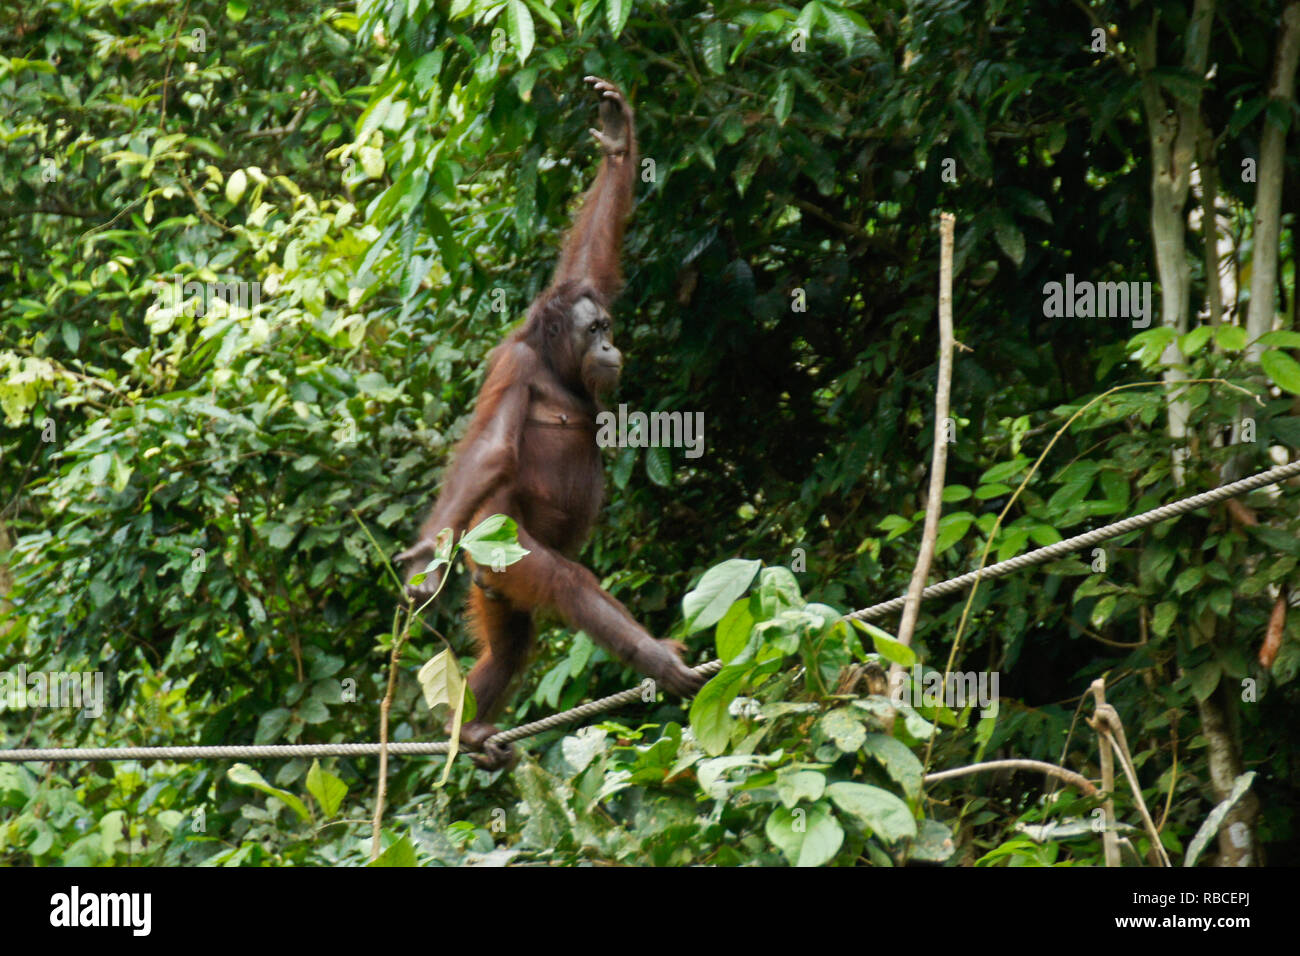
(632,694)
(1080,541)
(408,749)
(589,709)
(217,753)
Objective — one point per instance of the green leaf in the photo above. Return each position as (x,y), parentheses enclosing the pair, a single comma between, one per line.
(720,587)
(494,542)
(733,630)
(581,749)
(783,102)
(426,69)
(1005,471)
(374,384)
(441,680)
(711,720)
(888,646)
(1075,482)
(839,25)
(778,590)
(769,22)
(844,728)
(1114,486)
(1230,338)
(879,810)
(584,11)
(795,785)
(1044,534)
(236,10)
(658,467)
(281,536)
(732,129)
(1102,611)
(243,774)
(519,25)
(622,469)
(1282,369)
(895,525)
(809,17)
(1188,579)
(1010,239)
(372,161)
(550,686)
(1010,542)
(443,684)
(392,514)
(807,837)
(1164,617)
(952,528)
(1210,828)
(313,711)
(550,16)
(933,844)
(235,186)
(328,789)
(271,725)
(400,853)
(1195,340)
(1244,115)
(1283,338)
(899,762)
(1182,83)
(616,14)
(71,336)
(713,48)
(1205,679)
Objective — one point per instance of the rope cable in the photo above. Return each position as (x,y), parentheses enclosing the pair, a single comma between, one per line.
(632,694)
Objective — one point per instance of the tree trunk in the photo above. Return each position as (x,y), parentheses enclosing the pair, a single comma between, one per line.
(1174,126)
(1268,192)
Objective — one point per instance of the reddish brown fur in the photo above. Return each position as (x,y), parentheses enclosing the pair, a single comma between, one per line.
(530,452)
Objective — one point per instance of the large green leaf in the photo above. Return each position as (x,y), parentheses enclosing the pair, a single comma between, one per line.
(879,810)
(807,836)
(243,774)
(718,589)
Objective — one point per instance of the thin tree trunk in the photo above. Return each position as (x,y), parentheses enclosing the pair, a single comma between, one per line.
(1238,843)
(1210,227)
(1268,192)
(6,576)
(1174,127)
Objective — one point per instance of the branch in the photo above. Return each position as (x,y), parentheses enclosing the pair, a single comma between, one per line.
(1111,730)
(1082,783)
(939,448)
(938,451)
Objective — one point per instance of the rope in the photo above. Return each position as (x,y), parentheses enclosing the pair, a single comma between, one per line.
(632,694)
(210,753)
(589,709)
(408,749)
(1080,541)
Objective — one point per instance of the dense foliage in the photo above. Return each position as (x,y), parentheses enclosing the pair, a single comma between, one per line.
(191,486)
